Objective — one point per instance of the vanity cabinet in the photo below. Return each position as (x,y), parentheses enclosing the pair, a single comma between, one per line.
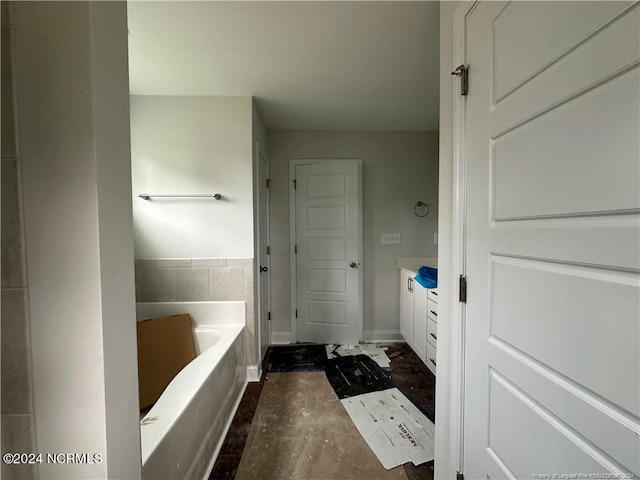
(420,322)
(414,314)
(407,306)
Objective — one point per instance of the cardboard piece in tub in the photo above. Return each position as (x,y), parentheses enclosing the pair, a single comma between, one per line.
(165,346)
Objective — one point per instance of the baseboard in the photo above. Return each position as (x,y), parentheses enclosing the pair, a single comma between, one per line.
(280,338)
(284,338)
(383,336)
(224,433)
(253,373)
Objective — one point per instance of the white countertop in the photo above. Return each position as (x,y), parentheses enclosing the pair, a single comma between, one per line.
(413,264)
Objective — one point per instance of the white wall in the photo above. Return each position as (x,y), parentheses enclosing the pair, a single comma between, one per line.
(192,145)
(444,461)
(72,84)
(400,168)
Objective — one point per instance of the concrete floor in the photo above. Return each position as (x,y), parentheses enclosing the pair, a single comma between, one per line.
(301,430)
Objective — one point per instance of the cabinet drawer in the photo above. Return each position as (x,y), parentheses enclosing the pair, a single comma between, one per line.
(432,332)
(433,294)
(432,310)
(431,358)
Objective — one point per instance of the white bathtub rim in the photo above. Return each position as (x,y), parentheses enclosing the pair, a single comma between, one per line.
(182,389)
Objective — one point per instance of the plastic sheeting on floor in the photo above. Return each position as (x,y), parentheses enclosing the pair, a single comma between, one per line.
(355,375)
(297,358)
(395,430)
(369,349)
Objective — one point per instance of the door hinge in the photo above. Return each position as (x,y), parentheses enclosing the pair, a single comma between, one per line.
(463,289)
(459,476)
(295,184)
(462,71)
(269,316)
(295,249)
(268,182)
(268,250)
(296,313)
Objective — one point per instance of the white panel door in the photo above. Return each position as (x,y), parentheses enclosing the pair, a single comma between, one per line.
(263,253)
(552,154)
(328,270)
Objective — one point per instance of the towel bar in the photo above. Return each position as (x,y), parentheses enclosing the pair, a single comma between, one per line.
(147,196)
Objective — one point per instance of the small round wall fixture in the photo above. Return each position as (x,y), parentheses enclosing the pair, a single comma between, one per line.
(421,209)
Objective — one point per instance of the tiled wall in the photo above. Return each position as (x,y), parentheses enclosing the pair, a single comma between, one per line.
(16,405)
(194,279)
(199,280)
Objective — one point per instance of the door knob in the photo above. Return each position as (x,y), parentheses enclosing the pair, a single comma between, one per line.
(354,265)
(263,269)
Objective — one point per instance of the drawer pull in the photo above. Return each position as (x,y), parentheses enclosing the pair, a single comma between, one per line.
(435,313)
(435,338)
(432,361)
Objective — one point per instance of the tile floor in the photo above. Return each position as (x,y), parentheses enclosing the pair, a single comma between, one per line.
(411,375)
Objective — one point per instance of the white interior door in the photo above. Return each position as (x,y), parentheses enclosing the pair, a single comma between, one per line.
(552,165)
(263,252)
(328,272)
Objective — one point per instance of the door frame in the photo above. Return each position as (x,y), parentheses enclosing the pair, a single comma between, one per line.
(260,152)
(459,248)
(293,163)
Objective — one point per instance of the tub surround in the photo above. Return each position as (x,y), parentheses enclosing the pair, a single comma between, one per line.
(201,280)
(184,431)
(195,280)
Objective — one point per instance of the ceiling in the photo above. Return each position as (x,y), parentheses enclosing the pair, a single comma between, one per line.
(316,65)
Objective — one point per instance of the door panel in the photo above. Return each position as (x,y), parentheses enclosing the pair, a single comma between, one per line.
(557,448)
(530,300)
(327,248)
(529,36)
(567,140)
(326,280)
(592,59)
(326,217)
(552,337)
(327,223)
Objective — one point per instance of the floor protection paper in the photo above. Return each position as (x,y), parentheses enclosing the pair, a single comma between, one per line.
(369,349)
(395,430)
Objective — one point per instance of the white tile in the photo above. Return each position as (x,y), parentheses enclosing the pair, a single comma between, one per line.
(192,285)
(227,284)
(238,262)
(18,437)
(16,353)
(13,265)
(209,262)
(157,284)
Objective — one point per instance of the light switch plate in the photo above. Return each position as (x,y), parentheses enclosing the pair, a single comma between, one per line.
(389,238)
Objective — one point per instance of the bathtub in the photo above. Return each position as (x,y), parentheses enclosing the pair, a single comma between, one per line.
(183,432)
